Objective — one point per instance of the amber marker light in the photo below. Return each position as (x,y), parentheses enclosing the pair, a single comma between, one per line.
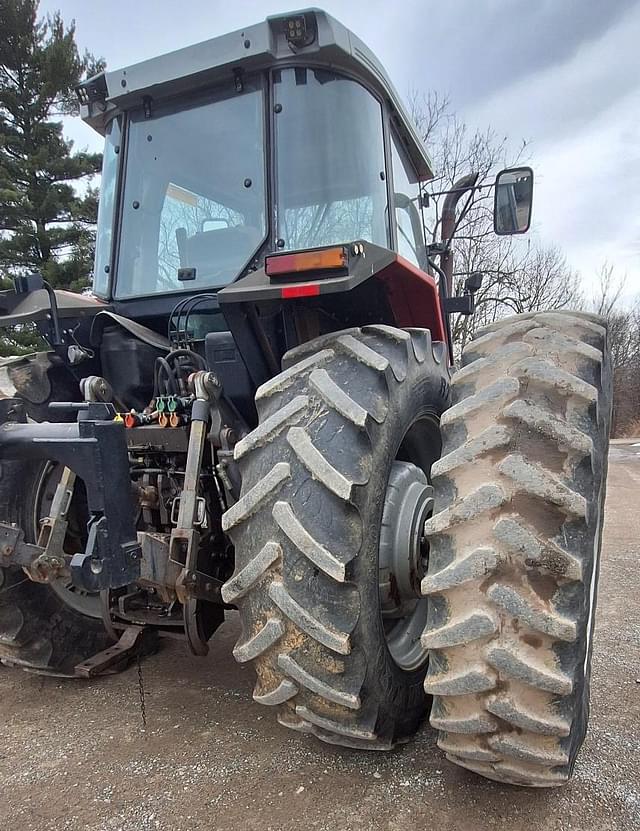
(325,259)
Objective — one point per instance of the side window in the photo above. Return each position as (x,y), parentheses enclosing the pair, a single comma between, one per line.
(330,161)
(106,207)
(406,206)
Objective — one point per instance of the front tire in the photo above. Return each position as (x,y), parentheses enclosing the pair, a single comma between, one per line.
(349,427)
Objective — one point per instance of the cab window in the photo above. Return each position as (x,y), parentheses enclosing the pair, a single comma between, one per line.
(406,207)
(330,166)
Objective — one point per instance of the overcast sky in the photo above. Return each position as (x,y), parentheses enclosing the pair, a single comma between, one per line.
(563,74)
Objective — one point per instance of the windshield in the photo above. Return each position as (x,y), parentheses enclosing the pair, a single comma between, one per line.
(330,161)
(194,194)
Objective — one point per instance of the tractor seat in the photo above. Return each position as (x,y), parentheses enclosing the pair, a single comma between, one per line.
(218,250)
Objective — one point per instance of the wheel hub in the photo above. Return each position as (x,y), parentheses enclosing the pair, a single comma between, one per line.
(403,560)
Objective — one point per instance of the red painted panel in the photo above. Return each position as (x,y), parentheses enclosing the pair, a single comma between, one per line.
(413,297)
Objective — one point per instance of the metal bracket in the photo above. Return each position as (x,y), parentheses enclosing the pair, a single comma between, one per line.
(463,305)
(435,248)
(14,551)
(129,643)
(96,451)
(201,511)
(200,586)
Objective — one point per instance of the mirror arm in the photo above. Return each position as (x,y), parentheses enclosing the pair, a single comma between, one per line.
(449,223)
(444,296)
(25,284)
(431,193)
(56,339)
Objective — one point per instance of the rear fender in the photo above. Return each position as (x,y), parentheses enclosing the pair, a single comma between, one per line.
(413,297)
(260,310)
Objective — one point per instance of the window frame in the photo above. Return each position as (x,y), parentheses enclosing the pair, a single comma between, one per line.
(264,79)
(396,143)
(114,241)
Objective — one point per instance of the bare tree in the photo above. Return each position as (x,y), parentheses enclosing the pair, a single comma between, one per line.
(624,338)
(610,288)
(518,276)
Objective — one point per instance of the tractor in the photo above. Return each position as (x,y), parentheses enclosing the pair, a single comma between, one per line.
(256,408)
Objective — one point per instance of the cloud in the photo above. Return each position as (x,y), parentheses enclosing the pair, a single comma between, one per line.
(473,49)
(562,97)
(582,118)
(562,73)
(588,193)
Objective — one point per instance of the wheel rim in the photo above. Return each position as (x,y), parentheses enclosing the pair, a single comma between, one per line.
(403,557)
(83,602)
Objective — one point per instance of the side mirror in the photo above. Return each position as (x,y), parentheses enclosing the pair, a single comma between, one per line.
(466,304)
(473,283)
(513,198)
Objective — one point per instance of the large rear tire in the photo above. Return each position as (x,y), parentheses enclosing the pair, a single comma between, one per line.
(334,485)
(515,547)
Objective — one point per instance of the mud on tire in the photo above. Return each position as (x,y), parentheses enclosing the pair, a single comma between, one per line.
(515,543)
(306,531)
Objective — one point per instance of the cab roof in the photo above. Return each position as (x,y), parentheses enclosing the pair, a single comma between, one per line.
(307,37)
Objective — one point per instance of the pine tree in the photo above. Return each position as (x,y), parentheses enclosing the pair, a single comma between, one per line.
(47,207)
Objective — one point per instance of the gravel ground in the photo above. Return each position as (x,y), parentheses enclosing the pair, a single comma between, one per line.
(73,755)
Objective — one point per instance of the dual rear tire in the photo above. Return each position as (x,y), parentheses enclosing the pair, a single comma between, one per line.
(330,553)
(515,547)
(347,432)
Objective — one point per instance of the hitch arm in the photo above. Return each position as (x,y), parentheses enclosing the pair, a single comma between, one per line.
(185,537)
(47,559)
(14,551)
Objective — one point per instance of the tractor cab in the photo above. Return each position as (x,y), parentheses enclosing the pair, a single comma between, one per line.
(284,136)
